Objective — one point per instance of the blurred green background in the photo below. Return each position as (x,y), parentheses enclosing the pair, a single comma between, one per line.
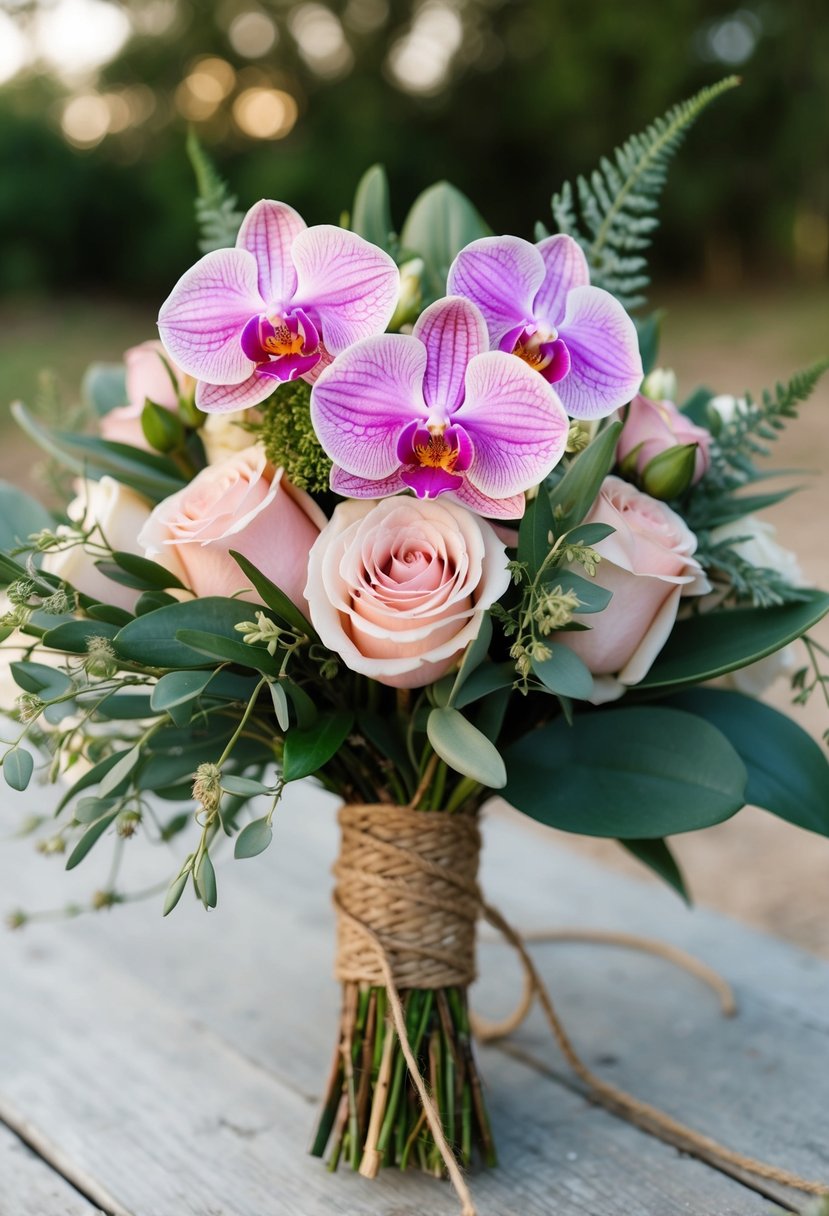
(294,98)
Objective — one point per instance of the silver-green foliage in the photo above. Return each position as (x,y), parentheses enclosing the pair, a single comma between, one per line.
(611,213)
(216,212)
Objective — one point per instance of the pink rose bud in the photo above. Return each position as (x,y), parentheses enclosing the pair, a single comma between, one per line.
(652,428)
(398,589)
(240,504)
(647,564)
(147,380)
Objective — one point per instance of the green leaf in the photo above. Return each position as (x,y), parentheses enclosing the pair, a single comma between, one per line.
(788,772)
(489,677)
(177,688)
(656,855)
(307,751)
(229,650)
(564,673)
(441,222)
(162,429)
(148,601)
(109,614)
(120,771)
(464,748)
(371,212)
(20,516)
(46,682)
(589,534)
(18,766)
(633,773)
(304,707)
(714,643)
(648,331)
(73,636)
(151,639)
(125,706)
(276,600)
(575,494)
(175,892)
(90,810)
(245,787)
(537,526)
(138,572)
(104,386)
(253,839)
(154,476)
(91,777)
(90,837)
(206,882)
(592,596)
(474,655)
(280,704)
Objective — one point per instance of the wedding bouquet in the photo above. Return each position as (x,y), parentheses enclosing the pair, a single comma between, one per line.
(417,516)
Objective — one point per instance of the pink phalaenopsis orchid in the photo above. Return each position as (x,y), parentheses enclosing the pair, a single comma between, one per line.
(277,307)
(538,304)
(437,412)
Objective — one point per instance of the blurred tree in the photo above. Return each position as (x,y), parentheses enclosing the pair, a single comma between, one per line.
(506,99)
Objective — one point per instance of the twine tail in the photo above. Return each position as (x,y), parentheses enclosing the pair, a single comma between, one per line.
(399,1019)
(649,1118)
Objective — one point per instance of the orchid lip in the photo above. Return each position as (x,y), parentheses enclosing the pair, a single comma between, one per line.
(434,455)
(282,347)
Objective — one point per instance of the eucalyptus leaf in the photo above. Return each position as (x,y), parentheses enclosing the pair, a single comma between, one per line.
(175,892)
(151,639)
(18,766)
(253,839)
(276,600)
(632,773)
(20,516)
(371,211)
(104,386)
(90,810)
(488,678)
(120,771)
(177,688)
(564,673)
(280,704)
(591,595)
(474,655)
(245,787)
(536,530)
(90,778)
(90,837)
(206,882)
(138,572)
(465,748)
(229,650)
(73,636)
(46,682)
(109,614)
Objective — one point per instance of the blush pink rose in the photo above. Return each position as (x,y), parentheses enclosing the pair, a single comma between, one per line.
(147,378)
(649,566)
(399,588)
(243,504)
(651,427)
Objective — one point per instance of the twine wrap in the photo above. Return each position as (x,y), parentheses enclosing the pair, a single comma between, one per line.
(410,877)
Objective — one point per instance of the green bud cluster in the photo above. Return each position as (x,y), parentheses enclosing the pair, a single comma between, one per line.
(288,436)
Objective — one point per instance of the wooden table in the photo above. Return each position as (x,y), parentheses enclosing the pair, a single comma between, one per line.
(170,1068)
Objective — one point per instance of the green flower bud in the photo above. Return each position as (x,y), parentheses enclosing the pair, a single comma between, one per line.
(671,472)
(162,429)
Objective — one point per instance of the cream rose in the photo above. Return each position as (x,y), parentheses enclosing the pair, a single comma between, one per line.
(398,588)
(648,565)
(224,434)
(243,504)
(147,378)
(119,514)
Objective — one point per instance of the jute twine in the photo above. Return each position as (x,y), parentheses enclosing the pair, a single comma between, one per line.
(407,902)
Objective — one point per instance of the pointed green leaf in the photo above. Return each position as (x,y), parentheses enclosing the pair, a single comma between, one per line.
(656,855)
(175,892)
(253,839)
(564,673)
(464,748)
(371,212)
(90,837)
(179,687)
(575,494)
(441,222)
(276,600)
(307,751)
(120,771)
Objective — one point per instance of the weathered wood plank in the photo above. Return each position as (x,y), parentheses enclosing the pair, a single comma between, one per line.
(30,1187)
(256,978)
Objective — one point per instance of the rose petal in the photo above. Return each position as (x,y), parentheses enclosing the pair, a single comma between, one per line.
(501,275)
(362,401)
(516,423)
(351,285)
(202,319)
(565,267)
(606,367)
(268,231)
(453,332)
(223,399)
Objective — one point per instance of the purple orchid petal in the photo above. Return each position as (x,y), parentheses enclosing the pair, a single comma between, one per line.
(253,336)
(430,482)
(606,367)
(565,268)
(288,367)
(202,319)
(559,364)
(501,274)
(362,401)
(482,504)
(457,438)
(268,232)
(349,486)
(300,317)
(414,435)
(453,331)
(351,285)
(224,398)
(511,338)
(516,422)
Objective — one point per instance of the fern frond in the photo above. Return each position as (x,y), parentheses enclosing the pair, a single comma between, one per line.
(611,213)
(216,212)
